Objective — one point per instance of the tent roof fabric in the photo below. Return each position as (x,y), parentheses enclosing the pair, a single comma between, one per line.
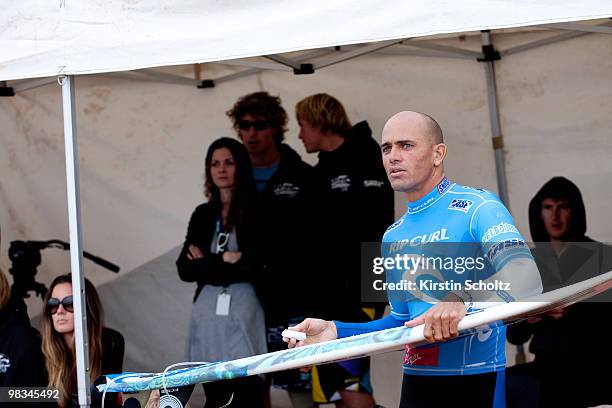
(41,38)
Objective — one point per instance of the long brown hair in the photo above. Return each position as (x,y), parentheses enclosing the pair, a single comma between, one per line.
(5,290)
(60,358)
(244,185)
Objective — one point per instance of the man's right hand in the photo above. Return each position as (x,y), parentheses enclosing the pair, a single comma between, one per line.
(317,331)
(556,314)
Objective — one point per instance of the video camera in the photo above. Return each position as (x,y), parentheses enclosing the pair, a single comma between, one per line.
(25,258)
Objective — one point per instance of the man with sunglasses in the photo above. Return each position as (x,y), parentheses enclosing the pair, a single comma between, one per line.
(287,227)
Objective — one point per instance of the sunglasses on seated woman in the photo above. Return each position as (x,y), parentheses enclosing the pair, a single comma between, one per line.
(53,305)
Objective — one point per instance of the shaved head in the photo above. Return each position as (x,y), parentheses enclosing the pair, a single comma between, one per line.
(413,152)
(427,125)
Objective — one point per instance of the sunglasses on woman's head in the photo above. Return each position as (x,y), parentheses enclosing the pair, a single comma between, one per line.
(53,305)
(255,124)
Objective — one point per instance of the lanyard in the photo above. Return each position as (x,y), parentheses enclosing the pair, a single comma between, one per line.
(222,238)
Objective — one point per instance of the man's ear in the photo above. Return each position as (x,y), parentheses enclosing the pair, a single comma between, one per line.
(439,152)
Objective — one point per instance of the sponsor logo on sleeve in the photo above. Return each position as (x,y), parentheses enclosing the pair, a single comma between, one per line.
(480,190)
(460,205)
(501,228)
(500,247)
(505,296)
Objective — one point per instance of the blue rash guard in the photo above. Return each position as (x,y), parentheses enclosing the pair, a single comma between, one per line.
(450,214)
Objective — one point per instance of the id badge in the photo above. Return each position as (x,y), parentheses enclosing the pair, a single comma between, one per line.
(223,303)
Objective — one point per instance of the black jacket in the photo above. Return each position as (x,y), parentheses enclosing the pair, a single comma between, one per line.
(359,203)
(21,360)
(356,187)
(562,347)
(288,230)
(211,269)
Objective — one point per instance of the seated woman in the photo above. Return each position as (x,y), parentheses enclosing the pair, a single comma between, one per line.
(106,346)
(227,320)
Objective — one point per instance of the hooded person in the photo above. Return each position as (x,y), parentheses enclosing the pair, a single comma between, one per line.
(562,370)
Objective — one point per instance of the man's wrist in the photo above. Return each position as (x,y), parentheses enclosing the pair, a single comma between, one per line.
(333,328)
(460,296)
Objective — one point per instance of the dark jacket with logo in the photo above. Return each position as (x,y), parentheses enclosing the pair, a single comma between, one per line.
(21,360)
(287,235)
(359,202)
(562,346)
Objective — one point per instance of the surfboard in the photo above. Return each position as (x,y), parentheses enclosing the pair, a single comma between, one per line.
(355,346)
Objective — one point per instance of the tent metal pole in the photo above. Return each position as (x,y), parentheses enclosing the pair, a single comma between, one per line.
(164,77)
(490,55)
(460,52)
(76,252)
(263,65)
(279,59)
(303,57)
(363,50)
(585,28)
(550,40)
(541,43)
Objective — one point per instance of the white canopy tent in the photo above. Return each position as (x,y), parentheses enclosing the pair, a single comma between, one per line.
(40,39)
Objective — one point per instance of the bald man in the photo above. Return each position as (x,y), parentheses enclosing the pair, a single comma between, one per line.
(455,369)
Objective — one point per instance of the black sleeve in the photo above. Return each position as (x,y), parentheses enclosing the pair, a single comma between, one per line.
(376,199)
(26,362)
(520,332)
(188,270)
(113,350)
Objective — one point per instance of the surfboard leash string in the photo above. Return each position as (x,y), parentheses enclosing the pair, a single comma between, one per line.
(190,363)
